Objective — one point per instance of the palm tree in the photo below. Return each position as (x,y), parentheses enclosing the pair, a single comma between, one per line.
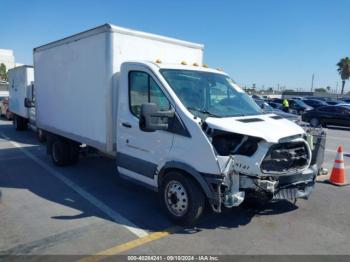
(344,71)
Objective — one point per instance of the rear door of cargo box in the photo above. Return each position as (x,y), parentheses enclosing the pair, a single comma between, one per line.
(18,91)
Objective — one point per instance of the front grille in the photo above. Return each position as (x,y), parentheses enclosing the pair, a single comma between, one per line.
(285,158)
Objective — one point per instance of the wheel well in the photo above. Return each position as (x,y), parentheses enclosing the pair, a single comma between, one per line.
(183,172)
(52,137)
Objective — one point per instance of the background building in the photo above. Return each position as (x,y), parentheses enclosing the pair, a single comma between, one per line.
(3,85)
(7,58)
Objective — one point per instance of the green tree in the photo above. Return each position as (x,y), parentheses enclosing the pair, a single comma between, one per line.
(320,90)
(3,72)
(344,71)
(328,88)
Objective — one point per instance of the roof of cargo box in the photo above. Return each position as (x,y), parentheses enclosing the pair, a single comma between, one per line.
(120,30)
(24,66)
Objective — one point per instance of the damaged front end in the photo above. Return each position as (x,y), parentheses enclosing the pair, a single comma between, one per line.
(255,168)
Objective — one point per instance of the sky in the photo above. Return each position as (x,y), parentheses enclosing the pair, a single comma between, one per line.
(269,43)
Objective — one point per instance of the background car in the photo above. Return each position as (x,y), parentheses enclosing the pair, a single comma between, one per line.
(315,103)
(328,115)
(269,109)
(343,104)
(297,97)
(345,100)
(274,105)
(333,102)
(320,98)
(296,106)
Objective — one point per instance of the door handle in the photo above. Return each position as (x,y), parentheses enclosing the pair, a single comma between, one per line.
(127,125)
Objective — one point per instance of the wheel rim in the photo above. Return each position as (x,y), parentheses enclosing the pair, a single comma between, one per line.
(176,198)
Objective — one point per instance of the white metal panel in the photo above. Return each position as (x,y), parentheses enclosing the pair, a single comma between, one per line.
(77,79)
(120,30)
(269,129)
(71,90)
(20,81)
(134,47)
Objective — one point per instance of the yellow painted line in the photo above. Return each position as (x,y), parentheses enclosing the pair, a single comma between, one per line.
(130,245)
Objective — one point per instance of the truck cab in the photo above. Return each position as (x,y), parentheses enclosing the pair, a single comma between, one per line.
(181,127)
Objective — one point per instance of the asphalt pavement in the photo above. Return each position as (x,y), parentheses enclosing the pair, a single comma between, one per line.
(87,209)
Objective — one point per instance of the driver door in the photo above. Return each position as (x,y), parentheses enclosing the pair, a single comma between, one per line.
(139,153)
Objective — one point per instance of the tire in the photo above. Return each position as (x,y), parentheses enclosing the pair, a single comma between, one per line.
(17,122)
(64,152)
(74,152)
(314,122)
(20,123)
(60,152)
(176,185)
(41,135)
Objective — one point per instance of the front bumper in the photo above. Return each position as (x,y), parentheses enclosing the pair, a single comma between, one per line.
(295,192)
(289,187)
(296,186)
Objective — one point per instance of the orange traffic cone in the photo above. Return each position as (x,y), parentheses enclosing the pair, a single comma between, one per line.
(338,172)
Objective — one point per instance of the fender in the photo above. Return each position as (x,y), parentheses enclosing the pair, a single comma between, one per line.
(204,180)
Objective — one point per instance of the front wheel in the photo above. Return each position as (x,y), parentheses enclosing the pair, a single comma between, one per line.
(182,198)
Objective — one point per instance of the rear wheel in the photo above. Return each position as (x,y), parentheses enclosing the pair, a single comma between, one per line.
(20,123)
(64,152)
(41,135)
(60,152)
(181,198)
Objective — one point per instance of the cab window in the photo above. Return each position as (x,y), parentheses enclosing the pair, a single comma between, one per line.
(143,89)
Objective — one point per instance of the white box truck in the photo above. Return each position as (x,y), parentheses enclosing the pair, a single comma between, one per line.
(22,99)
(21,87)
(172,124)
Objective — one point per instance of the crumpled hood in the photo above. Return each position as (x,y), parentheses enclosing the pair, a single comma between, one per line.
(269,127)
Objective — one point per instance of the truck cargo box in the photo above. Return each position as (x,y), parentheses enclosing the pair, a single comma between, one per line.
(21,81)
(76,79)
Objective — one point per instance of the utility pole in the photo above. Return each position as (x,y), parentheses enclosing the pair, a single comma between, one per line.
(312,82)
(336,88)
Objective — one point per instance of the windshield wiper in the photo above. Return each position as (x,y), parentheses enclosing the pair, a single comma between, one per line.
(203,111)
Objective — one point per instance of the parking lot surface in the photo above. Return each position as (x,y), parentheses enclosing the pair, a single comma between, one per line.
(87,209)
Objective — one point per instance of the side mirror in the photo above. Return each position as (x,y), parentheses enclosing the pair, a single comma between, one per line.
(28,103)
(152,119)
